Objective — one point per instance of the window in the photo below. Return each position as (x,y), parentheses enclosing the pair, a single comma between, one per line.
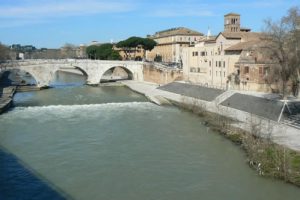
(198,70)
(266,70)
(210,63)
(260,70)
(216,63)
(220,63)
(224,64)
(192,69)
(246,70)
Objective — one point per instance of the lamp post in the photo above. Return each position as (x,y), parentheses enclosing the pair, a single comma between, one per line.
(298,53)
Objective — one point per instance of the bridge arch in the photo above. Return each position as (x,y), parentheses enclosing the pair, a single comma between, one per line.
(116,73)
(14,76)
(82,71)
(68,76)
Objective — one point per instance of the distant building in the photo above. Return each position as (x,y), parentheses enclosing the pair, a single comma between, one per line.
(81,51)
(20,48)
(134,53)
(171,42)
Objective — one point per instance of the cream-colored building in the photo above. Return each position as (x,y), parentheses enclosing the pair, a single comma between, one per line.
(171,42)
(210,61)
(134,53)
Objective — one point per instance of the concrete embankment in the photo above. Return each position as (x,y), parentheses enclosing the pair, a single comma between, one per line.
(6,97)
(244,109)
(7,94)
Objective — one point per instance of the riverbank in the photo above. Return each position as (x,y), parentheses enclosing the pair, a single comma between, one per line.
(6,97)
(272,148)
(7,94)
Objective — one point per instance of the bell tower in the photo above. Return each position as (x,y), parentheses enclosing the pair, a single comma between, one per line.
(232,22)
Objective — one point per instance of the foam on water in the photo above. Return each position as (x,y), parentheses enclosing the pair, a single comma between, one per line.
(45,113)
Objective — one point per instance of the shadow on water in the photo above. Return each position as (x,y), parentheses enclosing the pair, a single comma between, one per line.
(17,181)
(5,80)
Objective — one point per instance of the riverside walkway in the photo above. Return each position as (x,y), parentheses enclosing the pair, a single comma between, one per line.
(278,132)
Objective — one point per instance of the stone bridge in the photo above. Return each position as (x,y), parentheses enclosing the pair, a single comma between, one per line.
(43,71)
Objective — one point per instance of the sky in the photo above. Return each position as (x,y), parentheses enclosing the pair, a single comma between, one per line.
(53,23)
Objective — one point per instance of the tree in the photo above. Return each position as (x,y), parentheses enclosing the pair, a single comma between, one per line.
(134,42)
(103,52)
(68,51)
(4,52)
(282,45)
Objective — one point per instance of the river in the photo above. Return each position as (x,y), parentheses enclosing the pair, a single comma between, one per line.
(109,143)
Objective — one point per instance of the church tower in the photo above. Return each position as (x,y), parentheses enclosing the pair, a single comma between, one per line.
(232,22)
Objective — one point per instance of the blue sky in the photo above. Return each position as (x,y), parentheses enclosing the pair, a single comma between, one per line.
(52,23)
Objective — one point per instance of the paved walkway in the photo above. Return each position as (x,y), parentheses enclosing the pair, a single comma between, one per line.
(279,133)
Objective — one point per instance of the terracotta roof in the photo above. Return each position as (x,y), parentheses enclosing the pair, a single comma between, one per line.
(210,39)
(246,36)
(176,31)
(236,14)
(244,45)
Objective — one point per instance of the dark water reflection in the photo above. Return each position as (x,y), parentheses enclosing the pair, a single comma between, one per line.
(19,182)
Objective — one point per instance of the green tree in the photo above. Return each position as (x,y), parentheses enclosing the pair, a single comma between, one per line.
(103,52)
(134,42)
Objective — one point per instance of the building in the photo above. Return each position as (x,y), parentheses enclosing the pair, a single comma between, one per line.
(134,53)
(254,67)
(212,60)
(81,51)
(170,44)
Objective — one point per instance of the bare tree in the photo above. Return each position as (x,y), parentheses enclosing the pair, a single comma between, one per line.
(4,52)
(282,42)
(68,51)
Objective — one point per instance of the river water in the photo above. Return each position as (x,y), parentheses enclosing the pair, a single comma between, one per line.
(109,143)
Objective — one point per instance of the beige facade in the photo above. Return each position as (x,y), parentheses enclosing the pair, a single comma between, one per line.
(208,63)
(213,61)
(255,67)
(137,53)
(171,42)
